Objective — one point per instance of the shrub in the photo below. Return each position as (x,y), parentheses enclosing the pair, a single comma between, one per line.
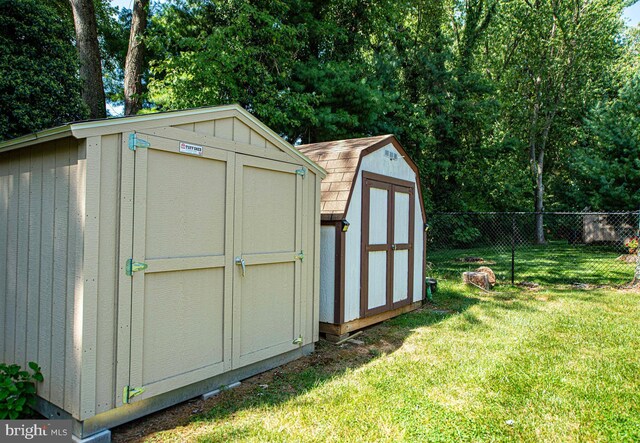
(17,389)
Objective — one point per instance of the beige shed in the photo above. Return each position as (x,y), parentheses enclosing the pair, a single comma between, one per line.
(147,260)
(372,235)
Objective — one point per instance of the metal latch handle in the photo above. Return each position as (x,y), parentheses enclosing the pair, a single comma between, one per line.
(240,261)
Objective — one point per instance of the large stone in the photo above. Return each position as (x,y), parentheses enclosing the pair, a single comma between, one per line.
(480,279)
(490,273)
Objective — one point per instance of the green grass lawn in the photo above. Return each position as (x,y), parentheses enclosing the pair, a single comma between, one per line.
(553,263)
(552,365)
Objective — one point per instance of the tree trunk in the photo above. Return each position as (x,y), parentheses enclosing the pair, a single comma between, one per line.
(539,174)
(134,62)
(539,198)
(84,20)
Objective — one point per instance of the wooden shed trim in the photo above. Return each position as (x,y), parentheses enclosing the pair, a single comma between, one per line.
(107,126)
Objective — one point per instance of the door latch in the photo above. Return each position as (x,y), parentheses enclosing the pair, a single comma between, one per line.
(134,266)
(298,341)
(240,261)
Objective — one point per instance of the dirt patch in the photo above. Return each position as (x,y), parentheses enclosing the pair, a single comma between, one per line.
(529,285)
(479,260)
(628,258)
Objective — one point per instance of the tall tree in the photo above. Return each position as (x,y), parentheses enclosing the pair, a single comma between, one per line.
(557,55)
(134,63)
(38,68)
(84,19)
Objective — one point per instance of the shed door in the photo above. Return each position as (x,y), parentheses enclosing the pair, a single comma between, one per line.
(268,241)
(387,244)
(181,317)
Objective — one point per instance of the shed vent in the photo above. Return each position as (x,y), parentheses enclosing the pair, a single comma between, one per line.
(392,155)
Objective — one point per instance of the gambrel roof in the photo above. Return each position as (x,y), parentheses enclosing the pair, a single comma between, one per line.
(341,159)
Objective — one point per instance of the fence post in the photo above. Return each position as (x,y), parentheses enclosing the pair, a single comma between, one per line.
(513,249)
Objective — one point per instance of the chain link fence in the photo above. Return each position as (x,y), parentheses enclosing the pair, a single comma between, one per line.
(596,248)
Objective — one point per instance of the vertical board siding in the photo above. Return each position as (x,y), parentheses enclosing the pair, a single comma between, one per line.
(40,235)
(257,139)
(109,216)
(46,269)
(206,127)
(23,258)
(87,285)
(316,259)
(33,288)
(418,250)
(60,249)
(308,265)
(4,206)
(12,258)
(328,276)
(224,128)
(241,132)
(71,388)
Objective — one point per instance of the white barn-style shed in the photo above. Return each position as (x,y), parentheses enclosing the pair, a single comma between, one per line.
(146,260)
(372,235)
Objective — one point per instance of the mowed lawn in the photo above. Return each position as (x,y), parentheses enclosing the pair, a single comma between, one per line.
(551,365)
(556,262)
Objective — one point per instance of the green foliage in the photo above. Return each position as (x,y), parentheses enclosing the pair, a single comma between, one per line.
(218,52)
(608,165)
(39,86)
(469,87)
(17,389)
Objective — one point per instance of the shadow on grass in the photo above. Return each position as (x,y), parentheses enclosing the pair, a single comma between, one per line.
(294,379)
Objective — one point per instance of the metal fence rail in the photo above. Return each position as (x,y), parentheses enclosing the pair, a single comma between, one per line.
(579,247)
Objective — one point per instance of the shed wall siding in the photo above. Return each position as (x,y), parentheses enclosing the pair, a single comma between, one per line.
(41,214)
(229,128)
(328,276)
(103,369)
(108,197)
(378,163)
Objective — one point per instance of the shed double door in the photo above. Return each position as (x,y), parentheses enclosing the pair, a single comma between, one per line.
(387,244)
(220,234)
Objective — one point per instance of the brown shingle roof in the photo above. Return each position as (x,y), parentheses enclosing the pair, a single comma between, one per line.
(340,159)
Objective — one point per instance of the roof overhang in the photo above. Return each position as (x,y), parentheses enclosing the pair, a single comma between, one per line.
(114,125)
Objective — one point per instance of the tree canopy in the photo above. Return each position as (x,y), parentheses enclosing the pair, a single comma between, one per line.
(39,84)
(503,105)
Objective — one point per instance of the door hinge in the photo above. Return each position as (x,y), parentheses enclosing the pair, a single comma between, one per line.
(302,172)
(136,142)
(300,256)
(134,266)
(298,341)
(128,393)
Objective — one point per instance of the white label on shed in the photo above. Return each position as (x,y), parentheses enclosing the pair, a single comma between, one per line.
(190,149)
